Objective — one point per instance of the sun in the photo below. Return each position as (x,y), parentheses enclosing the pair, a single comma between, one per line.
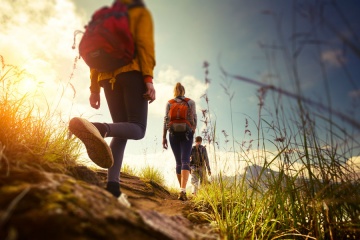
(30,85)
(27,84)
(33,75)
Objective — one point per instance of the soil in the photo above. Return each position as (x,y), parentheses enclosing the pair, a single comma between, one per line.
(148,195)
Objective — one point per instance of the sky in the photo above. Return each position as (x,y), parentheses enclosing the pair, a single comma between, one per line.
(261,40)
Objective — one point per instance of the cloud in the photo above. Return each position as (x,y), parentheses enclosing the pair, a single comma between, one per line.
(39,30)
(334,58)
(37,36)
(354,162)
(354,166)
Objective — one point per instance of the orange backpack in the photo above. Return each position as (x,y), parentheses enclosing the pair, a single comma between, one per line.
(179,115)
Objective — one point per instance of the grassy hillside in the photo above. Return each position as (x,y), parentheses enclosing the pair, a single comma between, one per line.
(30,138)
(313,194)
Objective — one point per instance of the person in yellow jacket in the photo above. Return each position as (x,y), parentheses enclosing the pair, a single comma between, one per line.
(128,90)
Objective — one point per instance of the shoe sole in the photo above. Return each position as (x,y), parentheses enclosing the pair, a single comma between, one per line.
(98,150)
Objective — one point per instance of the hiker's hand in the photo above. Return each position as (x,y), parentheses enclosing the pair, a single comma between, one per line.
(95,100)
(150,92)
(165,144)
(209,173)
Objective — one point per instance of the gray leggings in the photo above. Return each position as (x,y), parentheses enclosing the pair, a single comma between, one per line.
(198,174)
(128,111)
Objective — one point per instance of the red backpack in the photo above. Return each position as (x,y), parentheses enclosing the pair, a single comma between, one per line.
(107,43)
(178,115)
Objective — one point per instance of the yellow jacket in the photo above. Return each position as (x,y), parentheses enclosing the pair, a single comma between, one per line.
(141,27)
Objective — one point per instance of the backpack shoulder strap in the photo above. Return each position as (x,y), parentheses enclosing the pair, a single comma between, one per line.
(187,101)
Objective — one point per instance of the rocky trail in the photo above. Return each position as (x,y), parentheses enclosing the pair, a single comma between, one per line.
(153,198)
(39,205)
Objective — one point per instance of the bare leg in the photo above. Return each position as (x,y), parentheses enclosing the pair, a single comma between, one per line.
(179,179)
(184,178)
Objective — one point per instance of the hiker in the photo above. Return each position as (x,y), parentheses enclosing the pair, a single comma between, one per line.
(180,120)
(199,162)
(128,90)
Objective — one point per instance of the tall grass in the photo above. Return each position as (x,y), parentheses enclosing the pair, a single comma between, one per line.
(313,193)
(128,169)
(152,173)
(30,137)
(304,188)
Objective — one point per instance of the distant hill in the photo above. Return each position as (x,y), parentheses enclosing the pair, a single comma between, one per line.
(255,175)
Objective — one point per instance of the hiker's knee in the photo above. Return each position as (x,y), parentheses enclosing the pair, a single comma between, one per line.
(140,136)
(185,166)
(140,133)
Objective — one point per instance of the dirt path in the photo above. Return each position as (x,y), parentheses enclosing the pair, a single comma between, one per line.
(151,196)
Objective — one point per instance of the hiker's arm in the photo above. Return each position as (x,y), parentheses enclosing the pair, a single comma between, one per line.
(150,94)
(145,50)
(191,156)
(144,41)
(164,142)
(94,85)
(193,109)
(94,89)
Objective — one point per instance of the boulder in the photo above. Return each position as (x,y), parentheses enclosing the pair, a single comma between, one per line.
(41,205)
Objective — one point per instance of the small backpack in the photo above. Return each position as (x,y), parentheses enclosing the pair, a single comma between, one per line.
(197,160)
(107,43)
(178,116)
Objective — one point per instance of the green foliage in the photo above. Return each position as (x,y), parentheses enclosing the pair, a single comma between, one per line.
(286,208)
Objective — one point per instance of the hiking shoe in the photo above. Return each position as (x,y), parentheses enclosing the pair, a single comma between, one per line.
(98,150)
(182,196)
(123,200)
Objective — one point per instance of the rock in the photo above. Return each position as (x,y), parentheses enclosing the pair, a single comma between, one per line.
(41,205)
(174,227)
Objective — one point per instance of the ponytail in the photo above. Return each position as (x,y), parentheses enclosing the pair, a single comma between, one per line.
(179,90)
